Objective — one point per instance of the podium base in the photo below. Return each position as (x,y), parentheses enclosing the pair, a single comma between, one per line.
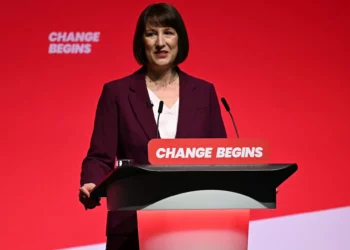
(193,229)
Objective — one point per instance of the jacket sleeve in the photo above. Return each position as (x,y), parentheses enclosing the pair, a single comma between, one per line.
(103,145)
(217,127)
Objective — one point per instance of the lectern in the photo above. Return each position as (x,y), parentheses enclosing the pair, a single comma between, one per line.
(192,207)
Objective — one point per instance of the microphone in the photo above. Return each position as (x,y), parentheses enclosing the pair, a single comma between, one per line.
(160,110)
(223,100)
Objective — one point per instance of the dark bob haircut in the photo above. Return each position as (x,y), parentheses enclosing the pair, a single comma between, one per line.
(160,15)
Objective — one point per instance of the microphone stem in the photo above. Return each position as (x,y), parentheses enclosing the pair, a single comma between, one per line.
(234,124)
(158,125)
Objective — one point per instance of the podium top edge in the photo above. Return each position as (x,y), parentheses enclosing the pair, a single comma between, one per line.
(214,168)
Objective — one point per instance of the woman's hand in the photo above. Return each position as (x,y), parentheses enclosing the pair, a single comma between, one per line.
(84,196)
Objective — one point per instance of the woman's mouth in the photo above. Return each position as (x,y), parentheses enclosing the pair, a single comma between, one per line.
(161,53)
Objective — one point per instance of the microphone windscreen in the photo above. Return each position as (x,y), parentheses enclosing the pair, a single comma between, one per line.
(223,100)
(160,108)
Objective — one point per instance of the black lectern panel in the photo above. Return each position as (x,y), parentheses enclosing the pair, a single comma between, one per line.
(257,181)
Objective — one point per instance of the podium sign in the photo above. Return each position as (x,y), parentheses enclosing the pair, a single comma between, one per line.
(208,151)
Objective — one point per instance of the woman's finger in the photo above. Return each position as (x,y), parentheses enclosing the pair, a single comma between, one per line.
(85,192)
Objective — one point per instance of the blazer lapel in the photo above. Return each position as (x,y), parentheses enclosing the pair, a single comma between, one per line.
(139,101)
(187,105)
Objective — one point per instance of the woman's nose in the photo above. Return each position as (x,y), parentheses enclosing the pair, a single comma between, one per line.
(160,41)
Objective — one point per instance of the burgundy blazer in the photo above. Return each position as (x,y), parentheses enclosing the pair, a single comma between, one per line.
(125,123)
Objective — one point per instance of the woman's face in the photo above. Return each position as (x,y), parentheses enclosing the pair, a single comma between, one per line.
(161,46)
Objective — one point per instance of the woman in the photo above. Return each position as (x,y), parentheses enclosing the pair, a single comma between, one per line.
(126,113)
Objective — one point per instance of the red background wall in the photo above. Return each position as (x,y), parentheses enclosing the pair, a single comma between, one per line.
(282,66)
